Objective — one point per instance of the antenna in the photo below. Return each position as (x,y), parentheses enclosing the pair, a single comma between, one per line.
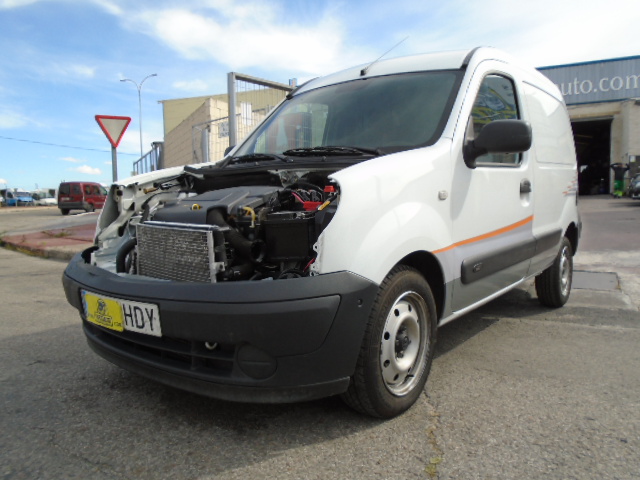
(364,71)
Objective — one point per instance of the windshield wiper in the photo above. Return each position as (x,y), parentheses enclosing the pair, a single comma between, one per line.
(330,151)
(254,157)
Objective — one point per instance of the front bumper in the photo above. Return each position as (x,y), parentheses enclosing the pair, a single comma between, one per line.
(275,341)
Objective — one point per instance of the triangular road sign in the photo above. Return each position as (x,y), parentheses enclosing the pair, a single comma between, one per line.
(113,127)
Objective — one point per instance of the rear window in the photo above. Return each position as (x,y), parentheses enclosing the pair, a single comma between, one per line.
(64,189)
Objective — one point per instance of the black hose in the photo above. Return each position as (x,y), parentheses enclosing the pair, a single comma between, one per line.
(121,255)
(252,250)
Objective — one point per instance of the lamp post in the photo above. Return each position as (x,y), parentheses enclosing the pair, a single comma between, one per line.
(139,87)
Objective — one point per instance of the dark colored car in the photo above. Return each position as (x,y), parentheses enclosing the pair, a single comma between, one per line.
(87,196)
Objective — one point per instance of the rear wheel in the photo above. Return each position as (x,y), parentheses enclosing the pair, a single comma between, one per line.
(553,286)
(64,211)
(397,350)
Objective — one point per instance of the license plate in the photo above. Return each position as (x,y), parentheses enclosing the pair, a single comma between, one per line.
(119,315)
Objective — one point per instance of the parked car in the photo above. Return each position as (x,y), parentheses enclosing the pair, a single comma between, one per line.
(634,187)
(44,198)
(18,198)
(321,255)
(87,196)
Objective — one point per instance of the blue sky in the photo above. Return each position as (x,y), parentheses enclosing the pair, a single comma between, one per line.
(62,60)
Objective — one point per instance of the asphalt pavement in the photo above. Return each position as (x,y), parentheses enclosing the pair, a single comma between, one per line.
(516,390)
(44,232)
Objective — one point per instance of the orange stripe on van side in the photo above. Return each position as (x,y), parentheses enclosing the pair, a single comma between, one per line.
(495,233)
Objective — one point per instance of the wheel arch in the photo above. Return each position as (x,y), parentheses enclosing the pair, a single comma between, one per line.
(573,234)
(429,267)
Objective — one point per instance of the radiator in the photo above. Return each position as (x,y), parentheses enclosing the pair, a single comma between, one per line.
(180,252)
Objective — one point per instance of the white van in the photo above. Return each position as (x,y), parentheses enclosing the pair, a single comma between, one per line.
(320,256)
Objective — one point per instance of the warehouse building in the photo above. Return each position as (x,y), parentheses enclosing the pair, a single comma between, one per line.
(603,99)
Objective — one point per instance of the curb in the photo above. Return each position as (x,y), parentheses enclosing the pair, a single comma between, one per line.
(58,244)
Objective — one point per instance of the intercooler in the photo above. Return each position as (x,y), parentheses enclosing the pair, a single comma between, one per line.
(180,252)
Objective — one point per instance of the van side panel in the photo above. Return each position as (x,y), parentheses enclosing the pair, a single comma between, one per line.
(555,185)
(389,208)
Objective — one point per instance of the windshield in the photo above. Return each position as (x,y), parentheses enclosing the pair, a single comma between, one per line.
(387,114)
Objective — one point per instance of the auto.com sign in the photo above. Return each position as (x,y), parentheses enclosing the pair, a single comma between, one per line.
(602,81)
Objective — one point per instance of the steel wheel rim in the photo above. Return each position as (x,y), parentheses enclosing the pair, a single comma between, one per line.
(565,272)
(402,345)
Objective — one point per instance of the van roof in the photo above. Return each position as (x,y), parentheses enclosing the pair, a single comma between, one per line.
(451,60)
(414,63)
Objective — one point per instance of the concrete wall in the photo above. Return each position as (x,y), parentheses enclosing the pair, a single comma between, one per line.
(178,144)
(185,123)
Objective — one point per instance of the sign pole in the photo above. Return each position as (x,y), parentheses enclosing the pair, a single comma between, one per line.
(114,164)
(114,128)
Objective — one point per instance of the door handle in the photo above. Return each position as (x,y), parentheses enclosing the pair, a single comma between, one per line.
(525,186)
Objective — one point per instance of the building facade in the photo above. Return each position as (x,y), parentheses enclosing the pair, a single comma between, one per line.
(197,129)
(603,99)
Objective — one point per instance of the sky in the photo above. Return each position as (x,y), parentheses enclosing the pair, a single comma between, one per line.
(62,61)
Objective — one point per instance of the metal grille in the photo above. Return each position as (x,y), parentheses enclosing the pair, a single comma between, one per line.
(170,251)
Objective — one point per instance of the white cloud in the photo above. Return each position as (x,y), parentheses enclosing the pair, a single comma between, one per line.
(12,119)
(86,169)
(3,181)
(82,71)
(551,33)
(71,70)
(247,36)
(192,85)
(7,4)
(109,7)
(71,159)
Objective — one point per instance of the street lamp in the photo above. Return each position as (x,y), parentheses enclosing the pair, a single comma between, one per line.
(139,87)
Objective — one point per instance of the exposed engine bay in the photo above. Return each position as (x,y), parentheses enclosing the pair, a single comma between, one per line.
(187,229)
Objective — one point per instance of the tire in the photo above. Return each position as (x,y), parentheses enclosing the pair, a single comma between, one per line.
(397,349)
(553,286)
(89,208)
(64,211)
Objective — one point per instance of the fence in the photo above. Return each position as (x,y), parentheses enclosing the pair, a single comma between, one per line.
(151,161)
(251,99)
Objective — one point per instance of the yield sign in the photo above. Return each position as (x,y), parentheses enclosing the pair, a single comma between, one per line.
(113,127)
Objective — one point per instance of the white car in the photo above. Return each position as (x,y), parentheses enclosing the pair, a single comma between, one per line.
(44,198)
(321,255)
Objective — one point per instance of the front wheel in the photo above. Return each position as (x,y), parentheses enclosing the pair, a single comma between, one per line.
(553,286)
(397,350)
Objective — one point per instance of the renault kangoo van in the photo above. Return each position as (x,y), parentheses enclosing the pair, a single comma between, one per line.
(320,256)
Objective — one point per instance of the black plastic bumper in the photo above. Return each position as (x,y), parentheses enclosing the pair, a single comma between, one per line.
(262,341)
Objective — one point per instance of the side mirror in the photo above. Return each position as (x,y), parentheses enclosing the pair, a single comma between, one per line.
(499,136)
(228,149)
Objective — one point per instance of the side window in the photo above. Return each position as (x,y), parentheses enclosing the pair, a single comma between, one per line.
(496,100)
